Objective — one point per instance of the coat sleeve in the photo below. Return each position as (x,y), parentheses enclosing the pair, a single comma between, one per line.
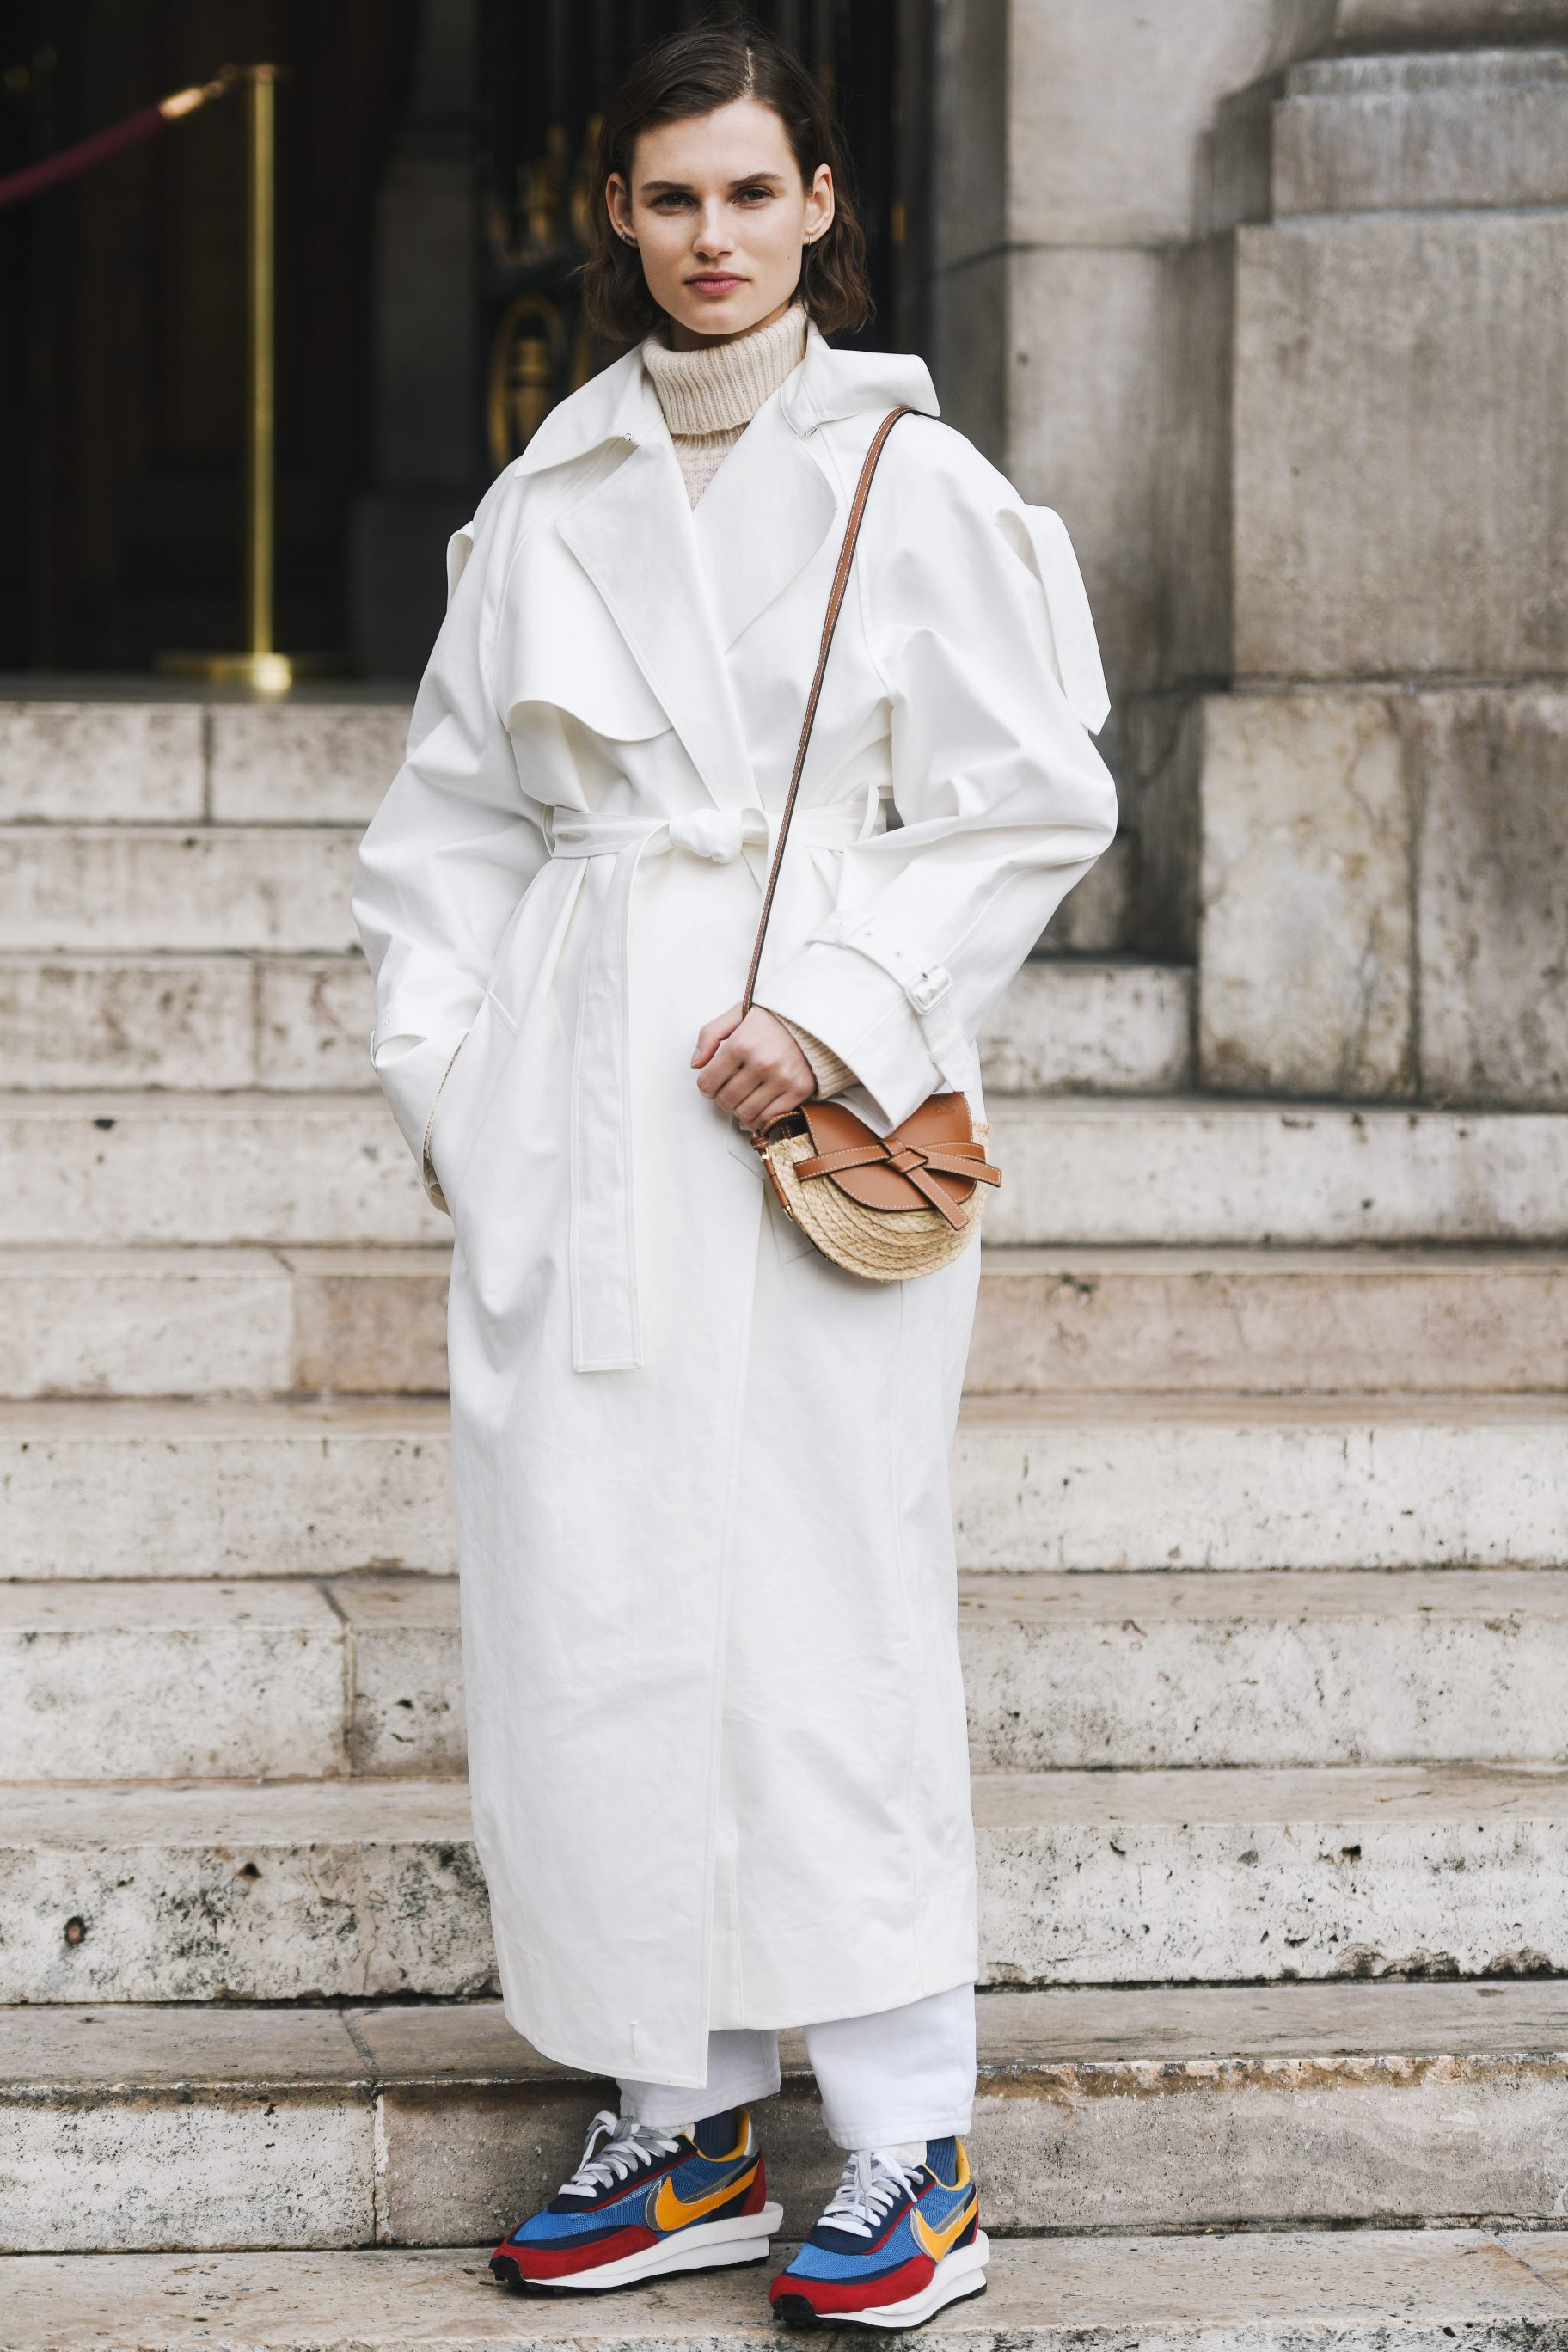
(976,616)
(451,849)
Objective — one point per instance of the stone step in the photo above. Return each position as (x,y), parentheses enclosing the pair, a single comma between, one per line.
(98,751)
(438,2126)
(209,1023)
(1253,2291)
(263,1322)
(126,1169)
(1465,129)
(177,889)
(126,1488)
(370,1889)
(226,1020)
(281,1679)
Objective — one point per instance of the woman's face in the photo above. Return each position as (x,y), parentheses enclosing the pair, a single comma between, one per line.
(719,215)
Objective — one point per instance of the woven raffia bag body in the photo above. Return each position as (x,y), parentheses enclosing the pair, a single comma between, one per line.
(884,1207)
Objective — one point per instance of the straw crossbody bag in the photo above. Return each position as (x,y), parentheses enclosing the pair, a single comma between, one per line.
(882,1206)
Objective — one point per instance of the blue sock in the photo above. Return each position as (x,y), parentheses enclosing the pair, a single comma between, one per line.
(942,2157)
(717,2134)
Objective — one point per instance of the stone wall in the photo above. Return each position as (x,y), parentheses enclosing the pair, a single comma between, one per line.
(1272,305)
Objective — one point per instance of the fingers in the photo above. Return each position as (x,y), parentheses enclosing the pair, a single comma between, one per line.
(713,1036)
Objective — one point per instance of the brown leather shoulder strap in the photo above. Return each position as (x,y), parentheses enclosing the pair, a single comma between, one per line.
(834,599)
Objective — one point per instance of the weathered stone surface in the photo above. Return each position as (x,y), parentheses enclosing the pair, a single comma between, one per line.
(183,2127)
(178,887)
(189,1490)
(313,1021)
(370,1888)
(151,1021)
(132,1323)
(109,1682)
(1305,965)
(1190,1172)
(1084,346)
(369,1321)
(307,761)
(1468,128)
(123,1169)
(1249,2292)
(1099,916)
(1396,24)
(1256,1483)
(1121,2109)
(1367,348)
(157,1680)
(192,1169)
(1112,1877)
(1492,892)
(405,1674)
(71,757)
(1085,1673)
(1091,1028)
(1271,1321)
(224,1891)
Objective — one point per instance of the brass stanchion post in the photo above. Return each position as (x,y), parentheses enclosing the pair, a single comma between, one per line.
(260,666)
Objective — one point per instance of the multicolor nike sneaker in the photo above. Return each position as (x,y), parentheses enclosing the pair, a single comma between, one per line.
(900,2240)
(644,2202)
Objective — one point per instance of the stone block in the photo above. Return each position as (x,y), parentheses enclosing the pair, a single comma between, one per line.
(134,1021)
(1404,23)
(1099,915)
(93,1490)
(177,889)
(184,1170)
(406,1673)
(1446,132)
(1245,2291)
(371,1889)
(313,1021)
(1274,1321)
(1201,1172)
(131,1323)
(196,1680)
(308,762)
(1086,390)
(1260,1483)
(1305,979)
(1080,1027)
(86,758)
(1399,447)
(1492,893)
(1090,1672)
(369,1322)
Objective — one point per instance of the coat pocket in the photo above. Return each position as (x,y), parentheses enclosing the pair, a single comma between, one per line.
(468,1095)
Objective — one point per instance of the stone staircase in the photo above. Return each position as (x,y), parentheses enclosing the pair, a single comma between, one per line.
(1260,1491)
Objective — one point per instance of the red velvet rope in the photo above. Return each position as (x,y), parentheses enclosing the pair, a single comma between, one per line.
(37,177)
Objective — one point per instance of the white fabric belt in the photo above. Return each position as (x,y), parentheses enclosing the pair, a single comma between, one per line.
(606,1334)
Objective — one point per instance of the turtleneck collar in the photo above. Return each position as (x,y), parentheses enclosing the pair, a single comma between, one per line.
(721,386)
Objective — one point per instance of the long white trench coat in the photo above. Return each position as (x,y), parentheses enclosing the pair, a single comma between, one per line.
(717,1728)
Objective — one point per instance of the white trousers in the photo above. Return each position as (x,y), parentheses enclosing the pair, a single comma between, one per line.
(899,2075)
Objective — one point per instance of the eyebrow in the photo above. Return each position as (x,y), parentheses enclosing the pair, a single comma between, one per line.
(683,188)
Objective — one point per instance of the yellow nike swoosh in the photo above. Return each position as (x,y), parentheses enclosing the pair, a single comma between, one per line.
(672,2212)
(940,2243)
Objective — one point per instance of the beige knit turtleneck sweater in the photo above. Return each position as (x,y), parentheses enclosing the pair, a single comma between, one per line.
(709,397)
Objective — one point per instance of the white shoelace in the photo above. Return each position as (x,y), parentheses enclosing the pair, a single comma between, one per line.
(871,2186)
(616,2147)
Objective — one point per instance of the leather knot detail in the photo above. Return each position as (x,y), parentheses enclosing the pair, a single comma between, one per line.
(920,1165)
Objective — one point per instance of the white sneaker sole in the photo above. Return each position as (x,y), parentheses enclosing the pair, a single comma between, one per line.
(957,2274)
(705,2246)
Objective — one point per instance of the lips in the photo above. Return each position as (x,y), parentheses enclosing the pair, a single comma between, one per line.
(714,285)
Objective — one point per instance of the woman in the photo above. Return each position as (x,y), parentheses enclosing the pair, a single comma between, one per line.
(716,1718)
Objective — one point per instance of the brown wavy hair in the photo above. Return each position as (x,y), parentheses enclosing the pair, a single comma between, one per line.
(695,71)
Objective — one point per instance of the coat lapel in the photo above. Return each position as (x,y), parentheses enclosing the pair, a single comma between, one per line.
(682,585)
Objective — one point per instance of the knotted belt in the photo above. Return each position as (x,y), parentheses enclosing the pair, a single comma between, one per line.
(918,1164)
(602,1251)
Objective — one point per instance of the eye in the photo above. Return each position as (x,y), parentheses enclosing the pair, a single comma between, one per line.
(761,193)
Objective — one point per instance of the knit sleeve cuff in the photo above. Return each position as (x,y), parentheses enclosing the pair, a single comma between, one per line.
(833,1075)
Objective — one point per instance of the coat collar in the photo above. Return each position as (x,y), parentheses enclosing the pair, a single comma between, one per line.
(681,584)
